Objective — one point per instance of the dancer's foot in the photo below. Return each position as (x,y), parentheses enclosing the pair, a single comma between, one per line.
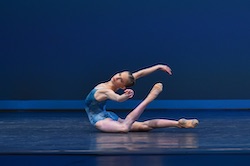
(155,91)
(184,123)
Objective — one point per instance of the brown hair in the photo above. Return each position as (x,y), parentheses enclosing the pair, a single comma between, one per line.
(131,80)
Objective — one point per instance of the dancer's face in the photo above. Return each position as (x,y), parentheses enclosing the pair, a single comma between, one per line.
(121,79)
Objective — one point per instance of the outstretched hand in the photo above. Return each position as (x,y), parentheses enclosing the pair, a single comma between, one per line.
(129,92)
(166,69)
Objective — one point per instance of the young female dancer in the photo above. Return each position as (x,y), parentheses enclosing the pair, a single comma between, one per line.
(107,121)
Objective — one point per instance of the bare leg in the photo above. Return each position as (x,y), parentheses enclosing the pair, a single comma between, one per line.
(135,114)
(154,123)
(182,123)
(107,125)
(163,123)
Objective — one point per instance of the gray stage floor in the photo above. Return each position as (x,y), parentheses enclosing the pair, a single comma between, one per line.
(219,131)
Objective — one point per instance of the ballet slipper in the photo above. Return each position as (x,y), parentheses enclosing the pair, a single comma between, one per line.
(184,123)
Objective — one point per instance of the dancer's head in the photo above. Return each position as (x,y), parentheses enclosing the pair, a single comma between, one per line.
(123,79)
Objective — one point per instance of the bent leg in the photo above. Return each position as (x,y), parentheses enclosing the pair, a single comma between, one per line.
(135,114)
(109,125)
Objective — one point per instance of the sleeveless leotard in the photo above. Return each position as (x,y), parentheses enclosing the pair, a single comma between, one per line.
(96,110)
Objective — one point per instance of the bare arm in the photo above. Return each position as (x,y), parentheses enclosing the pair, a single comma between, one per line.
(109,94)
(149,70)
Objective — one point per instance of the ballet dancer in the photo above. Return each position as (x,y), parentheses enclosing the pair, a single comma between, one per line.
(107,121)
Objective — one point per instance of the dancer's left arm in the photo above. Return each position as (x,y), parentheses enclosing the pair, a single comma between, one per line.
(149,70)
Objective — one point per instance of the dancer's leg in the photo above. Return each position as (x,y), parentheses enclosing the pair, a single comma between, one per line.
(107,125)
(135,114)
(163,123)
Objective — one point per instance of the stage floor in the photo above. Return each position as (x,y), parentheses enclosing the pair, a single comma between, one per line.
(67,138)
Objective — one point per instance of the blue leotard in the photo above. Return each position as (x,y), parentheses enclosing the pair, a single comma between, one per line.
(96,110)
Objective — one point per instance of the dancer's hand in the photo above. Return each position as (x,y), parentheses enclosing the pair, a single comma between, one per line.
(166,69)
(129,92)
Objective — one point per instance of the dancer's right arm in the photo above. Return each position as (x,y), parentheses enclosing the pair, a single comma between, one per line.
(105,94)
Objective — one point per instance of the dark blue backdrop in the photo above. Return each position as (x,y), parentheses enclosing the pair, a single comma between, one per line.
(59,49)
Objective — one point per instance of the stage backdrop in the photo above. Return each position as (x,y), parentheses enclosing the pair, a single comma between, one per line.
(60,49)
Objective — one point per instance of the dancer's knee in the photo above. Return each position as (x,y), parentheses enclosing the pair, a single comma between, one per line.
(130,119)
(109,126)
(124,128)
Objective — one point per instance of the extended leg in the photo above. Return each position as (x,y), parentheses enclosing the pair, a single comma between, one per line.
(163,123)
